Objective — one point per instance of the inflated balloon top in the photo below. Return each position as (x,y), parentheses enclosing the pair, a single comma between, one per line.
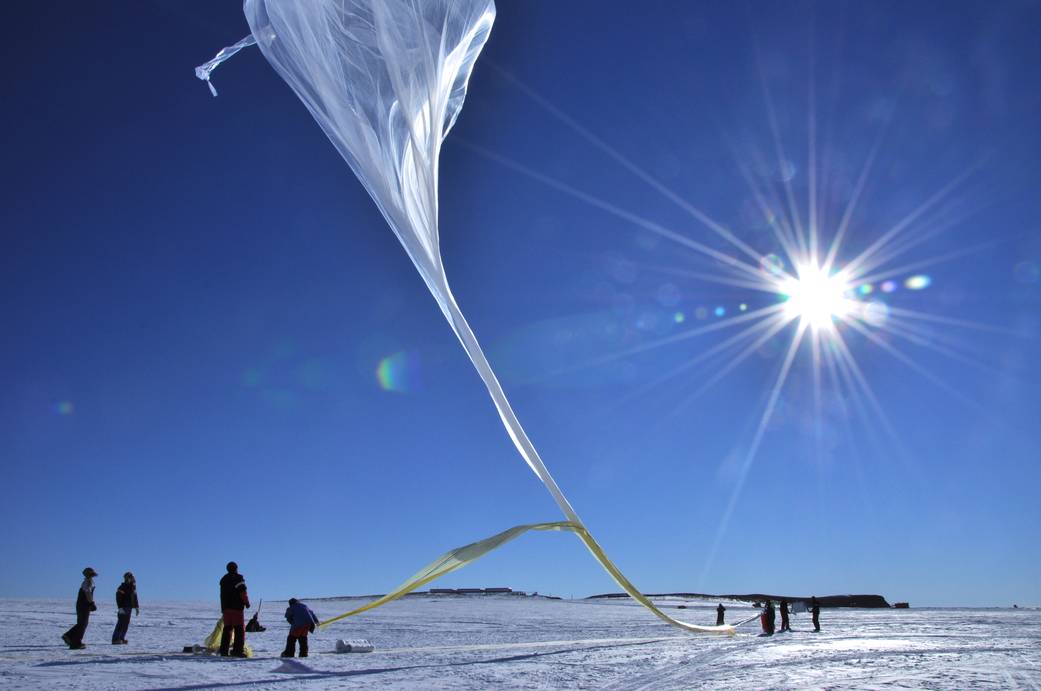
(386,80)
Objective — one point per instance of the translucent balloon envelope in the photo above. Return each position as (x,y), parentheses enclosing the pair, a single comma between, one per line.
(386,80)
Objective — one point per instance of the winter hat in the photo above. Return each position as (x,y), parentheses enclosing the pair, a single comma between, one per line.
(89,572)
(293,601)
(232,567)
(128,576)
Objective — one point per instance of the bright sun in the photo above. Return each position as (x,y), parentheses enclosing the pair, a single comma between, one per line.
(816,297)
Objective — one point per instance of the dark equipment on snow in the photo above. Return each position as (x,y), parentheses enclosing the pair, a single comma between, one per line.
(254,625)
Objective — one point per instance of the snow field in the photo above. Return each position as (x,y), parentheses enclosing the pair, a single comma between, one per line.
(518,642)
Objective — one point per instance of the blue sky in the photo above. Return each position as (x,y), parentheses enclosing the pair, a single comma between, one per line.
(198,297)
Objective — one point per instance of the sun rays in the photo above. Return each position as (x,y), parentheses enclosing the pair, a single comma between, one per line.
(804,284)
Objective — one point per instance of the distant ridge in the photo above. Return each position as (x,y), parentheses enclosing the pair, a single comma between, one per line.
(866,601)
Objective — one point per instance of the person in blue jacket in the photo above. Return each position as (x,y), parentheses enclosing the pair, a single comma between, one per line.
(302,621)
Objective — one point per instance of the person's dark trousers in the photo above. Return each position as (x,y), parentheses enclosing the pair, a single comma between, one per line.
(816,622)
(122,624)
(238,647)
(290,650)
(234,624)
(76,633)
(785,626)
(291,641)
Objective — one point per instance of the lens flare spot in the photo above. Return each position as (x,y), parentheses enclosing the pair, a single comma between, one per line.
(1027,272)
(743,307)
(701,313)
(719,311)
(919,282)
(399,372)
(772,264)
(888,287)
(679,317)
(64,408)
(865,289)
(875,313)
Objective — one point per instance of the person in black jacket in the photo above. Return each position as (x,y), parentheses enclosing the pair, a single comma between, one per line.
(84,606)
(785,622)
(719,614)
(233,600)
(126,600)
(769,619)
(815,610)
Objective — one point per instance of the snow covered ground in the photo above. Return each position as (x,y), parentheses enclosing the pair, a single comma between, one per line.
(517,642)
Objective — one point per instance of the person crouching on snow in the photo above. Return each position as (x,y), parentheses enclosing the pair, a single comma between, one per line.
(302,621)
(126,600)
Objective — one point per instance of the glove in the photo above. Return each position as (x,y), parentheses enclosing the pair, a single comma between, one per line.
(93,607)
(311,627)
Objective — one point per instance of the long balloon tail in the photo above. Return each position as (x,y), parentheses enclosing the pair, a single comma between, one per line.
(461,556)
(531,457)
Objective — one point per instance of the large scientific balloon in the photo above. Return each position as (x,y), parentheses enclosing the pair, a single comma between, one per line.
(386,80)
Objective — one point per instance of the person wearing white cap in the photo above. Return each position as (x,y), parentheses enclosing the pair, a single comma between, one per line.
(84,606)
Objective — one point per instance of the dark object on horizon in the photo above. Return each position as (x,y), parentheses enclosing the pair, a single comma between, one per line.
(681,607)
(863,601)
(785,624)
(815,610)
(233,600)
(719,614)
(126,600)
(901,605)
(84,606)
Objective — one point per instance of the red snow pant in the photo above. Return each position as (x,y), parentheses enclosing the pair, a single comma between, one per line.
(234,623)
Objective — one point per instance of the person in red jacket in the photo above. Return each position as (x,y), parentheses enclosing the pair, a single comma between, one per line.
(233,600)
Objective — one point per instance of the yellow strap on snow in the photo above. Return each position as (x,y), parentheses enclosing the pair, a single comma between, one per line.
(461,556)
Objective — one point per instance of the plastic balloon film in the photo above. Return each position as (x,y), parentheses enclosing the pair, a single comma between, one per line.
(386,80)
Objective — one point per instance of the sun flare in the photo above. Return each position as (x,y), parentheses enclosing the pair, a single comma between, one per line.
(816,296)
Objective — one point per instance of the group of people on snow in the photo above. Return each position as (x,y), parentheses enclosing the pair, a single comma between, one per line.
(234,600)
(768,618)
(126,600)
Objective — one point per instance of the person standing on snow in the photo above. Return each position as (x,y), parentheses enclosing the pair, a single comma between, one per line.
(84,606)
(302,621)
(815,610)
(233,600)
(126,600)
(719,614)
(769,618)
(785,624)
